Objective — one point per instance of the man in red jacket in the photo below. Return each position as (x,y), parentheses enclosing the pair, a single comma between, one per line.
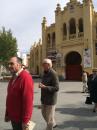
(19,101)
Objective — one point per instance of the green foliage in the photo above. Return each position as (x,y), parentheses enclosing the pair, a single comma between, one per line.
(8,46)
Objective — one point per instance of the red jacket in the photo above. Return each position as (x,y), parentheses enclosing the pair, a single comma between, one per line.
(19,102)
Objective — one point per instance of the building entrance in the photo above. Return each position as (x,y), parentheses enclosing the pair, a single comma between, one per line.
(73,66)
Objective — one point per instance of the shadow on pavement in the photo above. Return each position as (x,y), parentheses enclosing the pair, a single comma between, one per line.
(81,125)
(76,123)
(37,80)
(37,106)
(7,129)
(36,92)
(77,111)
(71,92)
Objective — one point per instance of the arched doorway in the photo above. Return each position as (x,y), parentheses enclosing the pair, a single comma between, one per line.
(73,66)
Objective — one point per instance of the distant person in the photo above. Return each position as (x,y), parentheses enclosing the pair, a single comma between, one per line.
(85,80)
(92,85)
(19,101)
(49,89)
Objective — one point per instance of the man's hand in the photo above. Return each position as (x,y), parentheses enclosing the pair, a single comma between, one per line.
(25,129)
(25,126)
(28,126)
(41,85)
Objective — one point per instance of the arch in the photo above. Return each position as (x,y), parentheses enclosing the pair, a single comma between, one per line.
(72,25)
(73,58)
(80,25)
(73,66)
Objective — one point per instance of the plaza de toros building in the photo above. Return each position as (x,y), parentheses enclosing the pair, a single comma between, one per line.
(71,42)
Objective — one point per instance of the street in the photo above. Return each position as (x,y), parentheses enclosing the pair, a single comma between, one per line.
(71,111)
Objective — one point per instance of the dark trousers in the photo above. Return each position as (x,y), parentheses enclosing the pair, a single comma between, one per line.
(16,126)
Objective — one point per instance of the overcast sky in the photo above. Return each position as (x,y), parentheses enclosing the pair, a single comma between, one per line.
(24,18)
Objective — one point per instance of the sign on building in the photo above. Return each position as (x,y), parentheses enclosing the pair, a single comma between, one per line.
(87,58)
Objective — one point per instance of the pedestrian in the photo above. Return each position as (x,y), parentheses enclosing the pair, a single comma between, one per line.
(85,80)
(19,100)
(92,85)
(49,90)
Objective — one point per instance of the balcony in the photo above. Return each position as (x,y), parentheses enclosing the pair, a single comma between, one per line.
(51,52)
(81,34)
(52,57)
(64,37)
(72,36)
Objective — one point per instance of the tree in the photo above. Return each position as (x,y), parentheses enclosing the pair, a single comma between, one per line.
(8,46)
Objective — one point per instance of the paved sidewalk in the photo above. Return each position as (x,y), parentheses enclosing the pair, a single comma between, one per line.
(71,112)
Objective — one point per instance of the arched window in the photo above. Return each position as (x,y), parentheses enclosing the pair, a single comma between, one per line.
(64,29)
(96,28)
(36,54)
(48,38)
(80,25)
(53,39)
(72,26)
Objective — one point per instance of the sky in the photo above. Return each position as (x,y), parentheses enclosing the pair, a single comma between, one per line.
(24,18)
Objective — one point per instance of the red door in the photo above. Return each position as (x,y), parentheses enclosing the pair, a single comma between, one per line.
(74,72)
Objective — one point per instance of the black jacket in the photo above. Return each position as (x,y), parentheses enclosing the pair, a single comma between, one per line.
(49,94)
(92,85)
